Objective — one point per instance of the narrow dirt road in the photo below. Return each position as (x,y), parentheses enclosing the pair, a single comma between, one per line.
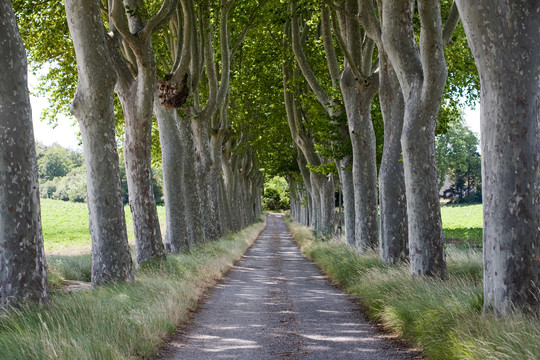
(275,304)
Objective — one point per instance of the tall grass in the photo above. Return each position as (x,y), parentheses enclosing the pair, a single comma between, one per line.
(119,321)
(443,317)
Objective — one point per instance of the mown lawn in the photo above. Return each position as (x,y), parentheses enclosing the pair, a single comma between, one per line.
(462,222)
(65,225)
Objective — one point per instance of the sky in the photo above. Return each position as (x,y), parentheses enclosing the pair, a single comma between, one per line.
(64,134)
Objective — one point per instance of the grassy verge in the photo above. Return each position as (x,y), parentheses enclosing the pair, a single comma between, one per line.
(118,321)
(65,226)
(463,222)
(443,318)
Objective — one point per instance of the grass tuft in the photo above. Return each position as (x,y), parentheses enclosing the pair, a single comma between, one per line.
(118,321)
(443,317)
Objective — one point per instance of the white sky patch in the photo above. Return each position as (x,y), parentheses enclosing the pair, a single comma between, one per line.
(472,118)
(64,134)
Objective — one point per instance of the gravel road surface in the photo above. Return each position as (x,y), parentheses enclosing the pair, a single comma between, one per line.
(275,304)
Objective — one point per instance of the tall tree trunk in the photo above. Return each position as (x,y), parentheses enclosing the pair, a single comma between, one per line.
(137,102)
(93,106)
(393,203)
(207,185)
(504,40)
(23,275)
(421,70)
(135,88)
(192,198)
(347,189)
(172,153)
(357,99)
(216,146)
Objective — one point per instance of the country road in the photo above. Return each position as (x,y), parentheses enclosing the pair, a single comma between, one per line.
(275,304)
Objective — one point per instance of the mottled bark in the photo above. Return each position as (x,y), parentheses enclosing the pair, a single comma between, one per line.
(393,203)
(504,40)
(172,160)
(208,190)
(192,199)
(93,106)
(23,275)
(324,201)
(421,71)
(229,179)
(357,96)
(136,94)
(137,103)
(347,189)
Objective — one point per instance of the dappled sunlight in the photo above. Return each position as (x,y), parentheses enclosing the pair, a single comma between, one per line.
(276,304)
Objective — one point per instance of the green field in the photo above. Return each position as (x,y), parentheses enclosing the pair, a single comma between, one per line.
(65,225)
(462,222)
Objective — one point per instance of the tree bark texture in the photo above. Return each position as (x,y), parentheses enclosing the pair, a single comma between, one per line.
(347,188)
(421,70)
(93,106)
(23,275)
(136,88)
(137,102)
(357,98)
(172,159)
(192,198)
(393,204)
(503,36)
(208,189)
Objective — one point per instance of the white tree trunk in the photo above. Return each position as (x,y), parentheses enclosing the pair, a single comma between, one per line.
(93,106)
(23,275)
(504,38)
(172,154)
(393,203)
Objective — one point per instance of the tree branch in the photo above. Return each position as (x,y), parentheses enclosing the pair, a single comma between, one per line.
(450,25)
(118,17)
(164,13)
(307,71)
(431,46)
(331,58)
(400,44)
(185,56)
(344,49)
(368,19)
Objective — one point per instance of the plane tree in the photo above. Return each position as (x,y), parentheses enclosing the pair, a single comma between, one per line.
(23,275)
(503,36)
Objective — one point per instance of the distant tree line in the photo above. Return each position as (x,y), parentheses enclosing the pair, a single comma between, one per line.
(62,175)
(459,164)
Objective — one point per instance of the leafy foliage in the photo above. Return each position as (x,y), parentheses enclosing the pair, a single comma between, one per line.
(458,161)
(62,175)
(276,194)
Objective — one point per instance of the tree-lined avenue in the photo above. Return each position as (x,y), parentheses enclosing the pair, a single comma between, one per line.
(275,304)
